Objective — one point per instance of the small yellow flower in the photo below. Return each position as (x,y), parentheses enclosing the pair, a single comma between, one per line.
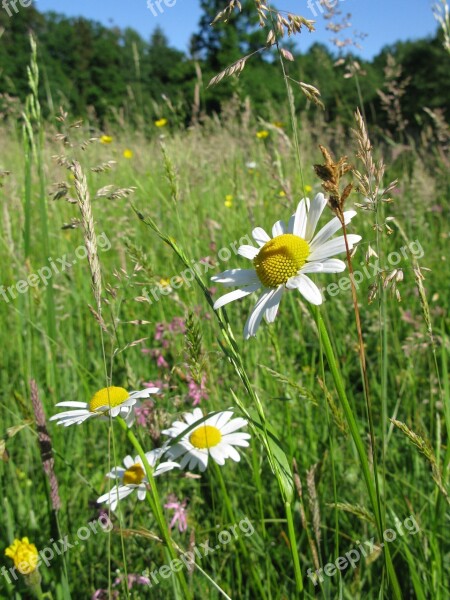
(262,134)
(282,194)
(24,555)
(228,201)
(127,153)
(164,283)
(308,189)
(161,122)
(278,124)
(106,139)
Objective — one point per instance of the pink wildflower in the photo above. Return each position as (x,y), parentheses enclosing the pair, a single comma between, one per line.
(162,362)
(104,595)
(177,325)
(132,579)
(144,412)
(180,514)
(159,331)
(197,392)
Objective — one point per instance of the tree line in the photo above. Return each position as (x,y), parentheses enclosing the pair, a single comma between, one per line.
(105,71)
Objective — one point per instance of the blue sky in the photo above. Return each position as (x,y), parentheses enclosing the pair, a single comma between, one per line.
(385,21)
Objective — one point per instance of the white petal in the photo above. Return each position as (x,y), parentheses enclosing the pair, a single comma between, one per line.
(164,467)
(232,453)
(193,417)
(236,295)
(176,451)
(278,229)
(220,419)
(311,267)
(257,313)
(130,417)
(152,456)
(307,288)
(115,494)
(333,265)
(260,236)
(330,229)
(299,224)
(143,393)
(73,404)
(128,461)
(273,305)
(217,455)
(248,251)
(201,458)
(233,425)
(237,439)
(333,247)
(314,213)
(141,493)
(116,473)
(70,413)
(66,421)
(236,277)
(154,390)
(105,497)
(175,429)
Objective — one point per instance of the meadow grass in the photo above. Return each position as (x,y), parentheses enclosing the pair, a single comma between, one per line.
(201,190)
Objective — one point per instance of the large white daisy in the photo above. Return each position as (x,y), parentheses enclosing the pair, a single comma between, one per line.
(133,477)
(111,400)
(216,437)
(282,262)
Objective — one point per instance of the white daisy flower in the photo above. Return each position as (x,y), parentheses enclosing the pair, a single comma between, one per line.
(216,437)
(283,261)
(112,401)
(133,477)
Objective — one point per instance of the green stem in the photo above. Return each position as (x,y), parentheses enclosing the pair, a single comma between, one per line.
(293,543)
(351,421)
(231,516)
(156,504)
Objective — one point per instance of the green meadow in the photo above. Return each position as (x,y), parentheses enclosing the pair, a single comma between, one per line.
(110,234)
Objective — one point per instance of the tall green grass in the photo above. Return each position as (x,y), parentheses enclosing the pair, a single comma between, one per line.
(287,379)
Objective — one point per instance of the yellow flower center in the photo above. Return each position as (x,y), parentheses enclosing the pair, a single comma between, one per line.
(281,258)
(134,475)
(206,436)
(110,397)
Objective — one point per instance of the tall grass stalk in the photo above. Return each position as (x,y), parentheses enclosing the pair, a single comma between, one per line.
(34,149)
(353,427)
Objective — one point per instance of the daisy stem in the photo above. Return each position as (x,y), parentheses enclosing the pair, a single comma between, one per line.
(351,421)
(294,551)
(156,504)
